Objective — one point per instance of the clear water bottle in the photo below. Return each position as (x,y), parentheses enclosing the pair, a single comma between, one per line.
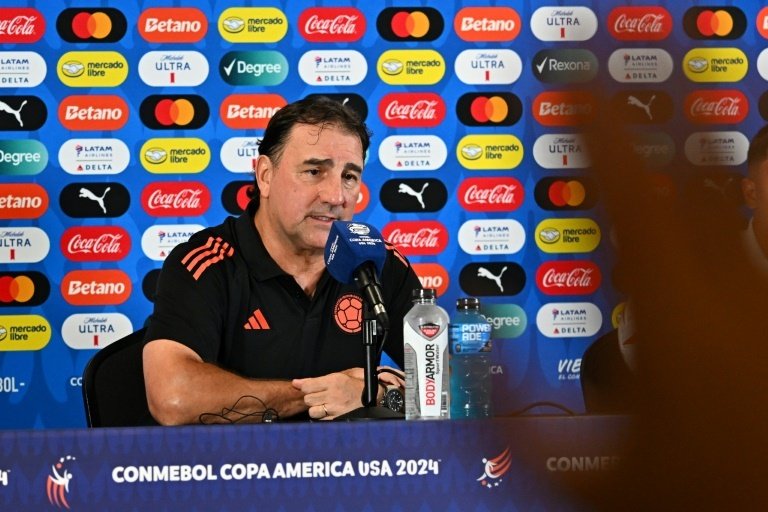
(470,348)
(425,338)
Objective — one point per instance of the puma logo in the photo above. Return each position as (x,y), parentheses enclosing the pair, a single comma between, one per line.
(646,107)
(406,189)
(4,107)
(484,272)
(84,192)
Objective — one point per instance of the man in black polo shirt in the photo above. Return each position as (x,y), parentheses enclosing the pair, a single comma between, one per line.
(246,316)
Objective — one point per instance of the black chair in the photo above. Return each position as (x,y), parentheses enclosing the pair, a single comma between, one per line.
(113,385)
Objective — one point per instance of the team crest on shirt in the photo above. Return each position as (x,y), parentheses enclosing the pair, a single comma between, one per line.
(348,313)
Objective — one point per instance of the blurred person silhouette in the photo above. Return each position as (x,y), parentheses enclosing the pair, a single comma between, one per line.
(754,187)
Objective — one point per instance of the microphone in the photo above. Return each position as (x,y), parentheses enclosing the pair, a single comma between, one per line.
(355,253)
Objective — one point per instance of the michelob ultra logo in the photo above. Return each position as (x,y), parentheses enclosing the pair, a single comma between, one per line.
(567,235)
(22,201)
(23,245)
(266,67)
(21,69)
(253,25)
(411,67)
(239,154)
(175,156)
(715,65)
(96,287)
(22,157)
(23,332)
(487,24)
(563,23)
(489,152)
(172,25)
(94,330)
(92,69)
(173,68)
(487,67)
(561,151)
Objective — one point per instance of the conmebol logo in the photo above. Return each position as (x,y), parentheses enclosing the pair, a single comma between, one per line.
(332,24)
(428,237)
(95,243)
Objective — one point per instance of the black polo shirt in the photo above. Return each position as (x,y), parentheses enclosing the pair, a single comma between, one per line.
(222,295)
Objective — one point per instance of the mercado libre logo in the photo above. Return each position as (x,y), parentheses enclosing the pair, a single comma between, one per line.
(410,24)
(92,69)
(91,25)
(253,25)
(494,469)
(348,313)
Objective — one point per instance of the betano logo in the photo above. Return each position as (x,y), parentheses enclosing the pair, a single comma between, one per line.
(574,235)
(22,201)
(482,152)
(21,25)
(250,111)
(94,156)
(87,331)
(714,23)
(253,25)
(26,289)
(266,67)
(175,156)
(487,24)
(332,24)
(92,69)
(488,67)
(93,112)
(24,157)
(561,151)
(21,69)
(172,25)
(333,67)
(715,65)
(564,108)
(410,24)
(173,68)
(762,22)
(23,245)
(432,275)
(563,23)
(96,287)
(716,148)
(173,112)
(19,333)
(91,25)
(411,67)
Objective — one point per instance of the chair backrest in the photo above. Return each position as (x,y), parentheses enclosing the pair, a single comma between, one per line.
(113,385)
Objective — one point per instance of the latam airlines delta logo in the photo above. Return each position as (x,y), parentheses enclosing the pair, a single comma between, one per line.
(569,319)
(491,236)
(333,67)
(716,148)
(92,69)
(21,69)
(640,65)
(253,25)
(94,156)
(157,241)
(413,152)
(715,65)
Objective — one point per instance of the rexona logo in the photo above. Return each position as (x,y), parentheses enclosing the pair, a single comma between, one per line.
(173,68)
(234,196)
(563,23)
(22,157)
(94,156)
(716,148)
(92,69)
(410,24)
(508,320)
(22,201)
(349,100)
(413,152)
(567,235)
(94,200)
(565,193)
(94,330)
(22,113)
(25,289)
(172,25)
(492,279)
(21,69)
(497,194)
(253,25)
(715,65)
(175,156)
(21,25)
(239,154)
(411,67)
(640,65)
(561,151)
(250,111)
(643,107)
(491,236)
(20,333)
(569,319)
(489,109)
(432,275)
(570,66)
(95,243)
(157,241)
(488,67)
(91,25)
(575,277)
(716,106)
(412,110)
(654,149)
(93,112)
(264,67)
(489,152)
(646,23)
(413,195)
(176,199)
(23,245)
(564,108)
(96,287)
(332,24)
(487,24)
(723,22)
(174,112)
(417,237)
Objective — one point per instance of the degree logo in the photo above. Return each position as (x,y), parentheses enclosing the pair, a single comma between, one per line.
(172,25)
(432,275)
(27,289)
(715,65)
(411,67)
(265,67)
(714,22)
(489,109)
(23,333)
(253,25)
(487,24)
(96,287)
(21,25)
(410,24)
(91,25)
(22,201)
(22,113)
(22,157)
(482,152)
(92,69)
(165,112)
(93,112)
(565,193)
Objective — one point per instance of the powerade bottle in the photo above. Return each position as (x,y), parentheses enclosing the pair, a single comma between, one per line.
(425,338)
(470,349)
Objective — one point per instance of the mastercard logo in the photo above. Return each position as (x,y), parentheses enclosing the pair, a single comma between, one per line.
(565,193)
(403,24)
(714,22)
(98,25)
(163,112)
(495,109)
(23,289)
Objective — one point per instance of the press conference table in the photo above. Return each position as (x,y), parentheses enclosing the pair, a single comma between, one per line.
(499,464)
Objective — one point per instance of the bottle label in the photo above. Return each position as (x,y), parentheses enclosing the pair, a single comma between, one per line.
(429,395)
(471,337)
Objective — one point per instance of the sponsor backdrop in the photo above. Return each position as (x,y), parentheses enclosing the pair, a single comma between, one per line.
(125,127)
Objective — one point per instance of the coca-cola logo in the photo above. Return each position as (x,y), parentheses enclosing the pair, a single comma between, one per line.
(413,237)
(176,199)
(578,277)
(497,194)
(95,243)
(422,110)
(646,23)
(332,24)
(716,106)
(21,25)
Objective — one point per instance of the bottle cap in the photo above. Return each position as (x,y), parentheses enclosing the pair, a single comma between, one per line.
(423,293)
(468,303)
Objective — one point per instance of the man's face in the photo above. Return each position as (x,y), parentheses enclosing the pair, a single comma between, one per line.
(316,181)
